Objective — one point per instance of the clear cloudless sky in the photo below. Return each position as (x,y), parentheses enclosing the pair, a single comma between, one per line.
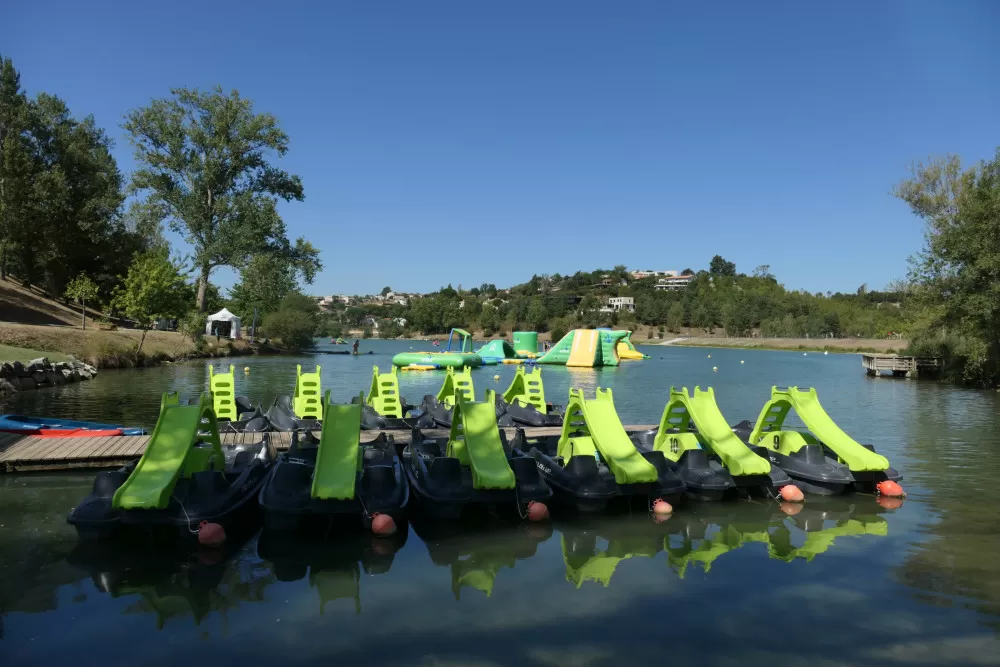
(471,142)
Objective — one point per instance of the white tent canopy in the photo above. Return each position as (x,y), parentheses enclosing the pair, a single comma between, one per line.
(223,322)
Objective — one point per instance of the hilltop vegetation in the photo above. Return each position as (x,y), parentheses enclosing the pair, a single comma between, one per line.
(716,298)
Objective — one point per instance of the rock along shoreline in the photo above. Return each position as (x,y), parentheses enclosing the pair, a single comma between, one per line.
(41,373)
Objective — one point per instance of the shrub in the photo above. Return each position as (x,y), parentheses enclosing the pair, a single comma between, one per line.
(293,328)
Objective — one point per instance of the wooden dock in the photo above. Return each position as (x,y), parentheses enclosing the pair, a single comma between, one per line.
(23,453)
(894,365)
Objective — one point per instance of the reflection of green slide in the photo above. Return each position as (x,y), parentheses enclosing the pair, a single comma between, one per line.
(701,409)
(173,450)
(729,538)
(593,426)
(817,542)
(857,457)
(337,457)
(585,563)
(479,571)
(475,441)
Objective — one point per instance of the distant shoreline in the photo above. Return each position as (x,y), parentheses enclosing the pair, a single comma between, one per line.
(836,345)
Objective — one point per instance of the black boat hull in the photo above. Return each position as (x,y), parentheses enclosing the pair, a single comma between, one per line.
(225,498)
(588,486)
(443,488)
(282,417)
(705,478)
(381,487)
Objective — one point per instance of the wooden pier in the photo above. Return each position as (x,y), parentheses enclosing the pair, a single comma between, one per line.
(894,365)
(23,453)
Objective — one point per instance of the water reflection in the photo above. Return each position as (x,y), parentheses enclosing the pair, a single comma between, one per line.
(332,565)
(476,555)
(788,531)
(592,552)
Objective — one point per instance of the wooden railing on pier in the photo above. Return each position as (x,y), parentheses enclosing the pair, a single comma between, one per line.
(897,366)
(25,453)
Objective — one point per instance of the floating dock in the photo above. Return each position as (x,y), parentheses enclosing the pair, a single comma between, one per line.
(24,453)
(896,366)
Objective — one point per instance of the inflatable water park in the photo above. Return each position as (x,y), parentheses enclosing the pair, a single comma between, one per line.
(511,454)
(586,348)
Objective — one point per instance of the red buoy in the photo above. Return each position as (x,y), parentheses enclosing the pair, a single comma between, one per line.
(889,488)
(537,511)
(662,508)
(889,502)
(382,524)
(791,509)
(791,493)
(211,534)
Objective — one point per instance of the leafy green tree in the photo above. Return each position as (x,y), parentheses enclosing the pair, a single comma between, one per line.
(80,289)
(490,319)
(958,272)
(720,267)
(386,290)
(294,323)
(264,282)
(675,317)
(537,317)
(153,289)
(203,158)
(17,163)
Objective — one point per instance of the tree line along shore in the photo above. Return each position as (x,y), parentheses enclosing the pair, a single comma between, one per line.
(73,224)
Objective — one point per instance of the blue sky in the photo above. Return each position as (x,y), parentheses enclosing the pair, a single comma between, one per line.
(471,142)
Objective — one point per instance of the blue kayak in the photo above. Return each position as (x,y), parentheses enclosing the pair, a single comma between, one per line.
(31,425)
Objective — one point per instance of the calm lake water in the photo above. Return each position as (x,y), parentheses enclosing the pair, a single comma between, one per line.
(843,581)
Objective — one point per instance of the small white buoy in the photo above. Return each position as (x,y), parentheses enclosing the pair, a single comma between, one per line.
(496,378)
(709,356)
(741,362)
(246,369)
(715,369)
(803,354)
(826,352)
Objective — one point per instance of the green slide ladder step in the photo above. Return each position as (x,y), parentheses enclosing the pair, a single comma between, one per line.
(806,404)
(475,441)
(456,382)
(336,470)
(308,400)
(593,426)
(383,396)
(527,388)
(713,431)
(222,388)
(174,450)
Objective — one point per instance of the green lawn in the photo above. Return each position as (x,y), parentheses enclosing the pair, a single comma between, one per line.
(24,355)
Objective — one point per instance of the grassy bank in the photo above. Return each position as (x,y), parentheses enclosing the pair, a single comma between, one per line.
(843,345)
(106,349)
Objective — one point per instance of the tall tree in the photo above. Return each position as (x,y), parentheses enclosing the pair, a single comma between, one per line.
(204,158)
(153,289)
(82,288)
(720,267)
(17,165)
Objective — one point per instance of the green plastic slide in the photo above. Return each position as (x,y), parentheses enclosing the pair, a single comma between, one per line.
(171,453)
(475,442)
(337,459)
(222,387)
(307,402)
(527,389)
(700,408)
(383,395)
(456,382)
(594,425)
(806,405)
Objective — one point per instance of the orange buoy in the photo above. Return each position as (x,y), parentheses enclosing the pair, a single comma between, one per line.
(791,509)
(889,488)
(662,508)
(211,534)
(382,524)
(537,511)
(791,493)
(889,502)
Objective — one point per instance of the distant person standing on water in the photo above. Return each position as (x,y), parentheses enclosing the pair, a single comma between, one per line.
(356,343)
